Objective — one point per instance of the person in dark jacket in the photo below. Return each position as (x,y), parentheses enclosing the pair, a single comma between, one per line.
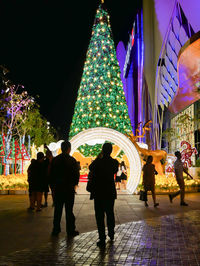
(104,192)
(64,178)
(47,162)
(36,180)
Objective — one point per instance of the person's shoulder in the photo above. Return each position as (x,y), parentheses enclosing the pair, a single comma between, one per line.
(114,161)
(144,166)
(95,162)
(57,158)
(72,159)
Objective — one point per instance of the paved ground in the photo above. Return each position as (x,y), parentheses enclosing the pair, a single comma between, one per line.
(167,235)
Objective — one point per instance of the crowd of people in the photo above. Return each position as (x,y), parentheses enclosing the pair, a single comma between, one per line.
(62,173)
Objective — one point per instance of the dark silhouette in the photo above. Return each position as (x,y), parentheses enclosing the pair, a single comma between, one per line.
(179,169)
(104,192)
(79,165)
(64,178)
(118,178)
(123,174)
(47,162)
(36,180)
(149,179)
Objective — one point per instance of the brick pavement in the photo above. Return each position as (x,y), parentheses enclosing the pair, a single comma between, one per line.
(162,237)
(167,240)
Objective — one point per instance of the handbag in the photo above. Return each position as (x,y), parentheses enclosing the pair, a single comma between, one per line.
(143,195)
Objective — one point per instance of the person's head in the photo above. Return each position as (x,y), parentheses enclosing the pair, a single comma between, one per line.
(149,159)
(66,147)
(33,161)
(107,149)
(178,154)
(123,163)
(40,156)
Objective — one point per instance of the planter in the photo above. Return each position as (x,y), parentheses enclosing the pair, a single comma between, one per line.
(194,171)
(3,192)
(17,192)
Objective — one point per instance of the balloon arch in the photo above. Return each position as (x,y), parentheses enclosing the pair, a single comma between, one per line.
(102,133)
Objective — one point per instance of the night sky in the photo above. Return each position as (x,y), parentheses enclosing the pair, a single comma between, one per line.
(44,44)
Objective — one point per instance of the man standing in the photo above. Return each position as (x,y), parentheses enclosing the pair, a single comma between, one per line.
(179,169)
(104,192)
(64,178)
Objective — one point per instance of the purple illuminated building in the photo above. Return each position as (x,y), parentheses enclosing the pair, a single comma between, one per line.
(131,61)
(161,71)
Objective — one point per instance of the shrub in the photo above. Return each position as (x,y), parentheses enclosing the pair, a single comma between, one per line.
(197,162)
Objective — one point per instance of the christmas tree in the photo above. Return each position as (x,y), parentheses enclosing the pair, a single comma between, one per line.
(101,100)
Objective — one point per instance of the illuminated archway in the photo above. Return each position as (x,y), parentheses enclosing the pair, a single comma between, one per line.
(102,133)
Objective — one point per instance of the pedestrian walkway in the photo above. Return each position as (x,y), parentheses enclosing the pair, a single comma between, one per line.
(167,235)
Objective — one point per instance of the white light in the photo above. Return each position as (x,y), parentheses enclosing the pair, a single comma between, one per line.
(54,146)
(142,145)
(101,133)
(95,141)
(169,161)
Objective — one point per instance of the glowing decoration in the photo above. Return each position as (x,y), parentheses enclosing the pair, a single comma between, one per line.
(2,154)
(101,87)
(20,154)
(187,153)
(159,156)
(111,135)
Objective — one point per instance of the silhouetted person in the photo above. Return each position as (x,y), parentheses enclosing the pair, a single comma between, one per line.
(123,174)
(179,169)
(149,179)
(64,178)
(47,162)
(32,196)
(36,179)
(104,192)
(118,178)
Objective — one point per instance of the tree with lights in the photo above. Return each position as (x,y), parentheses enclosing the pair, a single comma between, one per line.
(101,100)
(37,127)
(20,117)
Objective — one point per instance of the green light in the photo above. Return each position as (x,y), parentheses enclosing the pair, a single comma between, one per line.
(101,94)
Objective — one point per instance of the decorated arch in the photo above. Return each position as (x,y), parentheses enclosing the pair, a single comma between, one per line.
(108,134)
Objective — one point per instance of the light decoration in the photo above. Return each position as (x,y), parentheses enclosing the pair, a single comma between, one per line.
(111,135)
(187,153)
(101,91)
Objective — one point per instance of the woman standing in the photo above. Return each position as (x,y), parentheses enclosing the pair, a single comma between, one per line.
(123,174)
(149,173)
(118,178)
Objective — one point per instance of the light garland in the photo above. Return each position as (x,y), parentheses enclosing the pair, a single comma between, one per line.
(101,91)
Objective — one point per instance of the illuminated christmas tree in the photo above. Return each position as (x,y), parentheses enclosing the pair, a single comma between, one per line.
(101,100)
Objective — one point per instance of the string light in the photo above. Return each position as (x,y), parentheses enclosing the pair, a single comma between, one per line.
(101,90)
